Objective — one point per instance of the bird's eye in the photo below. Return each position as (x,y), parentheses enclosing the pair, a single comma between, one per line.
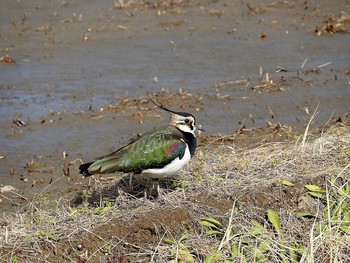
(187,121)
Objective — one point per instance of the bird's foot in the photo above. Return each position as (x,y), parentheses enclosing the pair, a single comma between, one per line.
(153,191)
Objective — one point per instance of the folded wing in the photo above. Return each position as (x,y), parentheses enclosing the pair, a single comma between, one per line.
(152,150)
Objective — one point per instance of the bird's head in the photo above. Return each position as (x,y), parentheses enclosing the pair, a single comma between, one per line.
(183,121)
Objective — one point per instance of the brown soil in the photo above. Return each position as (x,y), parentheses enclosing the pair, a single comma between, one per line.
(131,234)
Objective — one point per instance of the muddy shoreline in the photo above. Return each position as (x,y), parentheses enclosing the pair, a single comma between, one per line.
(75,87)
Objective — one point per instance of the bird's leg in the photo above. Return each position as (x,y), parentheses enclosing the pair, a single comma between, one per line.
(155,187)
(148,189)
(152,190)
(130,180)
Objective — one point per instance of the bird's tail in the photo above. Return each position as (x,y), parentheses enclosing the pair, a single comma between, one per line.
(84,169)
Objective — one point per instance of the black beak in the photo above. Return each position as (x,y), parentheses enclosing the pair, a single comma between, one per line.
(200,128)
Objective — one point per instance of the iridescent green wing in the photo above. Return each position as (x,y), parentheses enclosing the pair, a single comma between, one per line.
(154,149)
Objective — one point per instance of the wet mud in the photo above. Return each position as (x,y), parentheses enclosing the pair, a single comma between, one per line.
(73,79)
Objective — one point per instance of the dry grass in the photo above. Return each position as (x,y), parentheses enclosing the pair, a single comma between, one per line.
(234,186)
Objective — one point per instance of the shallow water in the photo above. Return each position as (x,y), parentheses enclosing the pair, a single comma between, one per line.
(72,56)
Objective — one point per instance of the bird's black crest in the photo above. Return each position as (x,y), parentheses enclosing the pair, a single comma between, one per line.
(161,106)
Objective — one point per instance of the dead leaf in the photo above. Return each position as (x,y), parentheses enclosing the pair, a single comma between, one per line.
(7,59)
(8,188)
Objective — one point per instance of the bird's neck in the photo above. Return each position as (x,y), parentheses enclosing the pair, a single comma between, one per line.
(191,140)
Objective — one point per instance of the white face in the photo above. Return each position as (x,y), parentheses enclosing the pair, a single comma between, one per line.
(185,124)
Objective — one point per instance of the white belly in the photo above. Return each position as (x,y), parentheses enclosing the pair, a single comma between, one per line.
(170,169)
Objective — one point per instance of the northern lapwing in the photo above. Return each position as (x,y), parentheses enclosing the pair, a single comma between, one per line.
(157,154)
